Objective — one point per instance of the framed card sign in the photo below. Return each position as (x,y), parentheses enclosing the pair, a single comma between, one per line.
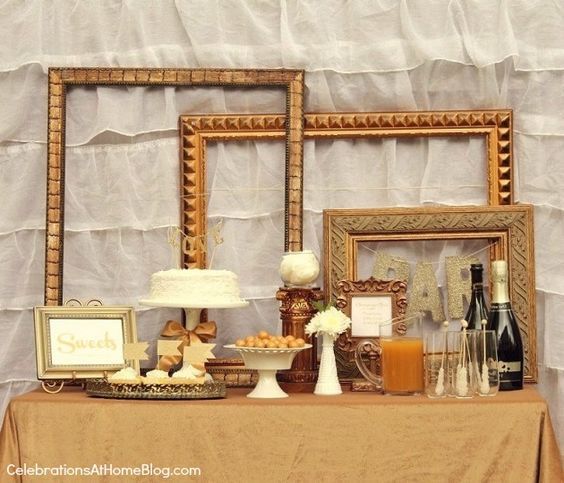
(371,304)
(369,313)
(82,342)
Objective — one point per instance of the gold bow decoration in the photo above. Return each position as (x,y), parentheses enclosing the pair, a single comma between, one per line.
(202,332)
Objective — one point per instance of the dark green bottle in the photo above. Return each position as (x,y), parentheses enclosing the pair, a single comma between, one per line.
(477,309)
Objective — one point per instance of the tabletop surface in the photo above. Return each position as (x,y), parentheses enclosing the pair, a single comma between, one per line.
(238,396)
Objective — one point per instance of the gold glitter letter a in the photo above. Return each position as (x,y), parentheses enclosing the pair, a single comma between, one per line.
(425,295)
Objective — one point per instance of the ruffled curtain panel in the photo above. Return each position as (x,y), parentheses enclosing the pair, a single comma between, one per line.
(122,143)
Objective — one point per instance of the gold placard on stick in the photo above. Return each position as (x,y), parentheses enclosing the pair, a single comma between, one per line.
(136,351)
(168,347)
(198,353)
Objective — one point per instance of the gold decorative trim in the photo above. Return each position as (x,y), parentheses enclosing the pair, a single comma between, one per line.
(197,131)
(60,79)
(234,374)
(508,228)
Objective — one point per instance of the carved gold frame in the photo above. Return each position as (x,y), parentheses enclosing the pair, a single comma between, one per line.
(197,131)
(60,79)
(509,230)
(347,289)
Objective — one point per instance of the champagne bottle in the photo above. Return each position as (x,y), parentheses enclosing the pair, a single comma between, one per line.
(477,310)
(502,321)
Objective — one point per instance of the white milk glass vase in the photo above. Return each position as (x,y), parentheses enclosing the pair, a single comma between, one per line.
(328,380)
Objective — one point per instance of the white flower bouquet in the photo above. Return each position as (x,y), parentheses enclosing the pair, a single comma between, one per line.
(330,321)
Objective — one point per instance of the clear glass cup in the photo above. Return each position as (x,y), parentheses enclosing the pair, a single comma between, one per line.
(437,382)
(460,364)
(483,345)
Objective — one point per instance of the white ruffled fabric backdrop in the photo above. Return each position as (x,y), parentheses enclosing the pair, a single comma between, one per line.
(122,143)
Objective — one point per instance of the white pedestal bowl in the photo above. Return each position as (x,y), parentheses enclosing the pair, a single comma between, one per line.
(267,362)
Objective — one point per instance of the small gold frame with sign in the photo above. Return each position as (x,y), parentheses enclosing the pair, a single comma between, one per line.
(383,299)
(75,342)
(370,303)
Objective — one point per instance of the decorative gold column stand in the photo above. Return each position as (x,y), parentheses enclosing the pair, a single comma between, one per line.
(296,310)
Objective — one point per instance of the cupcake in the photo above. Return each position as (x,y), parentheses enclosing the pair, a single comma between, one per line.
(156,376)
(188,375)
(127,375)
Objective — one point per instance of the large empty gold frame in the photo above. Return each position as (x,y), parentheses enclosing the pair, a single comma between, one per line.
(509,229)
(197,131)
(62,78)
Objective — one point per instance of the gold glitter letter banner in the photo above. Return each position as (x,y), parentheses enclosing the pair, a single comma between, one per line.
(385,263)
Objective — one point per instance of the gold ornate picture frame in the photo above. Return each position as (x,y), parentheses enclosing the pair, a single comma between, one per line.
(368,303)
(508,229)
(370,292)
(61,79)
(197,131)
(74,343)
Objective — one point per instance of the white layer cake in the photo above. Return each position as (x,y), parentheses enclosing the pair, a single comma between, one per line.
(195,287)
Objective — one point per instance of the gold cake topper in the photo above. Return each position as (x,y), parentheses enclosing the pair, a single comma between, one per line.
(181,243)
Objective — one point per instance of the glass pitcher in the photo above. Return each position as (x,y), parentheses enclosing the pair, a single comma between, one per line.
(400,346)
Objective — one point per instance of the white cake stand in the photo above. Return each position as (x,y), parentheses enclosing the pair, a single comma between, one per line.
(267,362)
(192,310)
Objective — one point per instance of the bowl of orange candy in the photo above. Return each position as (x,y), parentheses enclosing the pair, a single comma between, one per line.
(267,354)
(264,340)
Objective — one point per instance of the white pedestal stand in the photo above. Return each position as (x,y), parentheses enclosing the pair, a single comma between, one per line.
(267,362)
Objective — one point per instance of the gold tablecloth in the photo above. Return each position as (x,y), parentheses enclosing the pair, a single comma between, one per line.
(354,437)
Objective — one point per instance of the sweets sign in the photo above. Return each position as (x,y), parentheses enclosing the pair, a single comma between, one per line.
(97,340)
(82,342)
(425,295)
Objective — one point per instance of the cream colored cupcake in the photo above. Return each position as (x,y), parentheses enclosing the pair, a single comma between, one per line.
(127,375)
(156,376)
(188,375)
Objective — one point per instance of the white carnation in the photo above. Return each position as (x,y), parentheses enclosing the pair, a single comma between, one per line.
(330,321)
